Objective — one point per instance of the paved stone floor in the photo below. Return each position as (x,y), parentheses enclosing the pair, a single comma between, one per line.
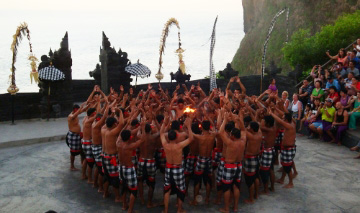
(36,178)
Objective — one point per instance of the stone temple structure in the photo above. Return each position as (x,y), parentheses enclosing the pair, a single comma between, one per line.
(57,99)
(111,71)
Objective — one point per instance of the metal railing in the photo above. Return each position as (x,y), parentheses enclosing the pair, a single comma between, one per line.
(322,66)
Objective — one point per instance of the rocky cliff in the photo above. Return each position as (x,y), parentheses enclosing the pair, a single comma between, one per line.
(258,14)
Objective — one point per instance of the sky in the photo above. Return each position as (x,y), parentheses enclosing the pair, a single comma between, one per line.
(130,5)
(133,25)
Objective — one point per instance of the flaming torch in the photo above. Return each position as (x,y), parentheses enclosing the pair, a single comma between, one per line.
(189,110)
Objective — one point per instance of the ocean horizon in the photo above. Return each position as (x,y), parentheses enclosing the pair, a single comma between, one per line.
(137,34)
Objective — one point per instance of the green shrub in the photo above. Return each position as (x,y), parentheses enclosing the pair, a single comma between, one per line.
(308,50)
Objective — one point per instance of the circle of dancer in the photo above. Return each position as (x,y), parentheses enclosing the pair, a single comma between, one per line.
(216,140)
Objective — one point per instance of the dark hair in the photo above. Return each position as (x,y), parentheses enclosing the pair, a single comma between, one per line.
(134,122)
(180,101)
(125,135)
(217,100)
(90,111)
(308,105)
(195,128)
(269,120)
(319,83)
(99,115)
(352,61)
(159,118)
(247,119)
(76,106)
(172,134)
(345,54)
(147,128)
(254,126)
(96,93)
(229,126)
(110,121)
(206,125)
(288,117)
(175,125)
(333,87)
(236,133)
(344,91)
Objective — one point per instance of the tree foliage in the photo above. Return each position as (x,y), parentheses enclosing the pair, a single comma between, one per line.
(309,49)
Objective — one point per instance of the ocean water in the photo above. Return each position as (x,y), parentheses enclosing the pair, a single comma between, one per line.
(137,33)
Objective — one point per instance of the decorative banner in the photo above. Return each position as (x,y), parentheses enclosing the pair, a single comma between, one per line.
(212,46)
(21,31)
(34,75)
(272,25)
(165,34)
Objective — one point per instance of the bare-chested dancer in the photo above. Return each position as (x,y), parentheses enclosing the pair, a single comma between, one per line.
(128,178)
(230,125)
(110,158)
(288,149)
(73,137)
(97,146)
(203,168)
(147,164)
(86,145)
(191,158)
(174,172)
(268,156)
(231,176)
(251,162)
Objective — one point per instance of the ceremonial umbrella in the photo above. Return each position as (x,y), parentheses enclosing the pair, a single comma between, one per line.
(138,69)
(50,74)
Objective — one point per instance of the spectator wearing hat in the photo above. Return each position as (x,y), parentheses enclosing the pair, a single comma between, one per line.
(327,112)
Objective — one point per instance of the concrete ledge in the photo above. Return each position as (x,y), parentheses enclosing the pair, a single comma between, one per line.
(30,141)
(351,138)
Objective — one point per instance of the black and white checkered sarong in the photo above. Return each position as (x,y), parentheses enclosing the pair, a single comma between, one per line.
(86,146)
(287,155)
(266,158)
(128,177)
(231,172)
(147,168)
(96,151)
(190,164)
(174,174)
(219,172)
(203,164)
(251,165)
(73,141)
(217,155)
(110,165)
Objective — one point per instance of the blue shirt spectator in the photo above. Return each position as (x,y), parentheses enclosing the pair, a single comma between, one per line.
(333,82)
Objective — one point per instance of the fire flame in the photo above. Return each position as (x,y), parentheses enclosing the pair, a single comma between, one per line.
(189,110)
